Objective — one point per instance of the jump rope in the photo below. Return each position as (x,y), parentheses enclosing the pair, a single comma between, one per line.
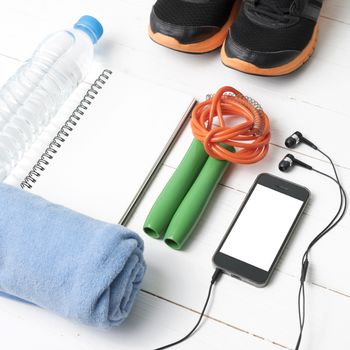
(178,208)
(250,139)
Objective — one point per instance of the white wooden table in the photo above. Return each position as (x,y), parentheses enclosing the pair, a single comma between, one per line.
(314,100)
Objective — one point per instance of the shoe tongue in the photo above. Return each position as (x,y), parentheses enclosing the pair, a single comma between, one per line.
(275,7)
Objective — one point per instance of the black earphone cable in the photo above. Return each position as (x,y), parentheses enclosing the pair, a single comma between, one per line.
(214,278)
(305,261)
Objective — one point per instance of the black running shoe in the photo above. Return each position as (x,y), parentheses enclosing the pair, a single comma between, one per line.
(195,26)
(272,37)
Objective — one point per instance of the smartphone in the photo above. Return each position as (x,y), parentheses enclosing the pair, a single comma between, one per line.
(261,229)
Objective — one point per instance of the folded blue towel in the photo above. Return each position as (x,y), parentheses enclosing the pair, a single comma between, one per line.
(78,267)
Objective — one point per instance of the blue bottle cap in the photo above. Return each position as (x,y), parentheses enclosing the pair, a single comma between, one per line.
(90,26)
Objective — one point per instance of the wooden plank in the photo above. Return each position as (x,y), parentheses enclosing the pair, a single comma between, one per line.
(338,10)
(153,322)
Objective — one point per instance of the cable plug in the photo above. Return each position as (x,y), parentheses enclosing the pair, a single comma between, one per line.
(216,275)
(304,270)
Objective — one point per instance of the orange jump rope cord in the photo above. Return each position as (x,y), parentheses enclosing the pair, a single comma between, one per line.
(250,137)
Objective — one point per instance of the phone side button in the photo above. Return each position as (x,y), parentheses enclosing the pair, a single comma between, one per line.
(235,276)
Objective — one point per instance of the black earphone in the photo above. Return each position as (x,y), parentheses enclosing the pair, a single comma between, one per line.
(289,161)
(285,165)
(296,138)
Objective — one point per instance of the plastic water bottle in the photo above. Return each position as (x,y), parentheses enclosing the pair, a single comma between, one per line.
(38,89)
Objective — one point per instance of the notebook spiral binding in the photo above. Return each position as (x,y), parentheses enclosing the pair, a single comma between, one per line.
(65,130)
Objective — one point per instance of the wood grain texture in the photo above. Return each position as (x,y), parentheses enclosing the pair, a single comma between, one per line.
(314,100)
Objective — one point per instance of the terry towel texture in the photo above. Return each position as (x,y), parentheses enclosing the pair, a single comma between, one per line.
(78,267)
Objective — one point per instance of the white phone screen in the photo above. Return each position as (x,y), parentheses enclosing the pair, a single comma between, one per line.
(262,226)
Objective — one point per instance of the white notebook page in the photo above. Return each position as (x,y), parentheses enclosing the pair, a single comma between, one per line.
(100,167)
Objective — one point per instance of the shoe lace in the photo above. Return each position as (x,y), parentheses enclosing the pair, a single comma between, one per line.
(281,11)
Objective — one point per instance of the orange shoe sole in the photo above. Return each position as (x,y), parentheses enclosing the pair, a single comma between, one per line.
(287,68)
(201,47)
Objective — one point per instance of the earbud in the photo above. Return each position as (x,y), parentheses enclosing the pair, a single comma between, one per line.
(293,140)
(289,161)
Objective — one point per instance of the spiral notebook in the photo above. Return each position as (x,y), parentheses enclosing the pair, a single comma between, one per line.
(110,147)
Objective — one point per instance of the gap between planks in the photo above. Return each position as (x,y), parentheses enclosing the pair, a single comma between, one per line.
(215,319)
